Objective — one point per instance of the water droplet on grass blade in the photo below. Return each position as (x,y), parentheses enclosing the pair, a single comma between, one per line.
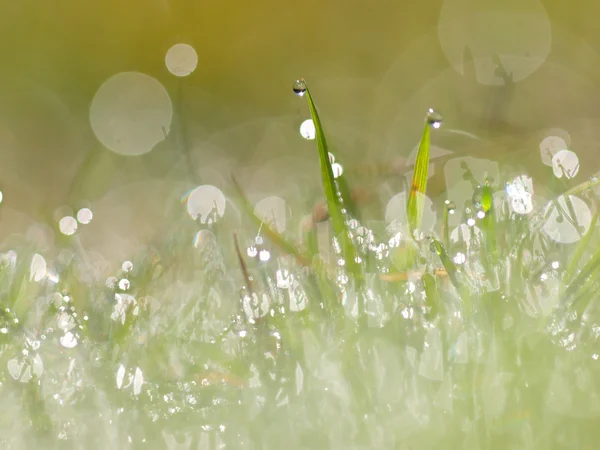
(299,87)
(434,118)
(450,207)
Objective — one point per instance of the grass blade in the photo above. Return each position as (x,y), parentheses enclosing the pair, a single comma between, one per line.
(418,188)
(334,204)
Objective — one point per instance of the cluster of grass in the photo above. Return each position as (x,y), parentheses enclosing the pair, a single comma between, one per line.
(390,342)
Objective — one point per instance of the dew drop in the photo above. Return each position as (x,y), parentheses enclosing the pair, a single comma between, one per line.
(252,251)
(434,118)
(299,87)
(450,207)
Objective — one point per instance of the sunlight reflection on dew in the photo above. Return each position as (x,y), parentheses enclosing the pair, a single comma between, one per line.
(520,194)
(68,340)
(130,113)
(307,129)
(124,284)
(181,60)
(127,266)
(299,88)
(205,202)
(84,216)
(566,163)
(67,225)
(264,255)
(337,170)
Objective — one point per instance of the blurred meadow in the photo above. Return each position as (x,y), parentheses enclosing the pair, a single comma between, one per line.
(150,300)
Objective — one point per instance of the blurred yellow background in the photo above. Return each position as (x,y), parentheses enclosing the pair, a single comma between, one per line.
(505,71)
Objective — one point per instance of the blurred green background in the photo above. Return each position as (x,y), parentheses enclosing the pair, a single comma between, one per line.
(509,72)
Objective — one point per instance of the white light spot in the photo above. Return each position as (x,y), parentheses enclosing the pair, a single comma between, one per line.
(181,60)
(273,211)
(138,381)
(127,266)
(555,264)
(1,196)
(84,216)
(207,203)
(38,268)
(124,284)
(337,170)
(307,129)
(120,375)
(131,113)
(460,258)
(67,225)
(264,255)
(68,340)
(284,278)
(520,194)
(566,163)
(471,221)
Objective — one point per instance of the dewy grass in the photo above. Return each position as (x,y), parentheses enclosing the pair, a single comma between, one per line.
(204,341)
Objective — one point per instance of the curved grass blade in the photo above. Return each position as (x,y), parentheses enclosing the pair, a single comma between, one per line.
(334,205)
(418,188)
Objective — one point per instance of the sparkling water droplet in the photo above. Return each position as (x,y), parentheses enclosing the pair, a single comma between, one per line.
(252,251)
(450,207)
(434,118)
(299,87)
(264,255)
(127,266)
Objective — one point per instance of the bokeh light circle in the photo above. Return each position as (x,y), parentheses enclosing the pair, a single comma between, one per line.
(204,200)
(181,60)
(562,229)
(131,113)
(67,225)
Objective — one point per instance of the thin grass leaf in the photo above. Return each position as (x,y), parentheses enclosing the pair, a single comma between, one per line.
(418,188)
(452,272)
(271,234)
(581,247)
(243,266)
(334,204)
(580,280)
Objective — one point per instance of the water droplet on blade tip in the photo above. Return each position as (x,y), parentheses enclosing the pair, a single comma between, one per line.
(299,88)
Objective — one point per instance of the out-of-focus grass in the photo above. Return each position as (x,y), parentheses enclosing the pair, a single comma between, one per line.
(486,342)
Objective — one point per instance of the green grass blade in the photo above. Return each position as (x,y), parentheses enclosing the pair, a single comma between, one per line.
(418,188)
(581,247)
(334,205)
(452,271)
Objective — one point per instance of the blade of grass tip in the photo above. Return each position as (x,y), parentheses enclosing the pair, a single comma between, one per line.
(418,188)
(243,266)
(578,253)
(334,205)
(271,234)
